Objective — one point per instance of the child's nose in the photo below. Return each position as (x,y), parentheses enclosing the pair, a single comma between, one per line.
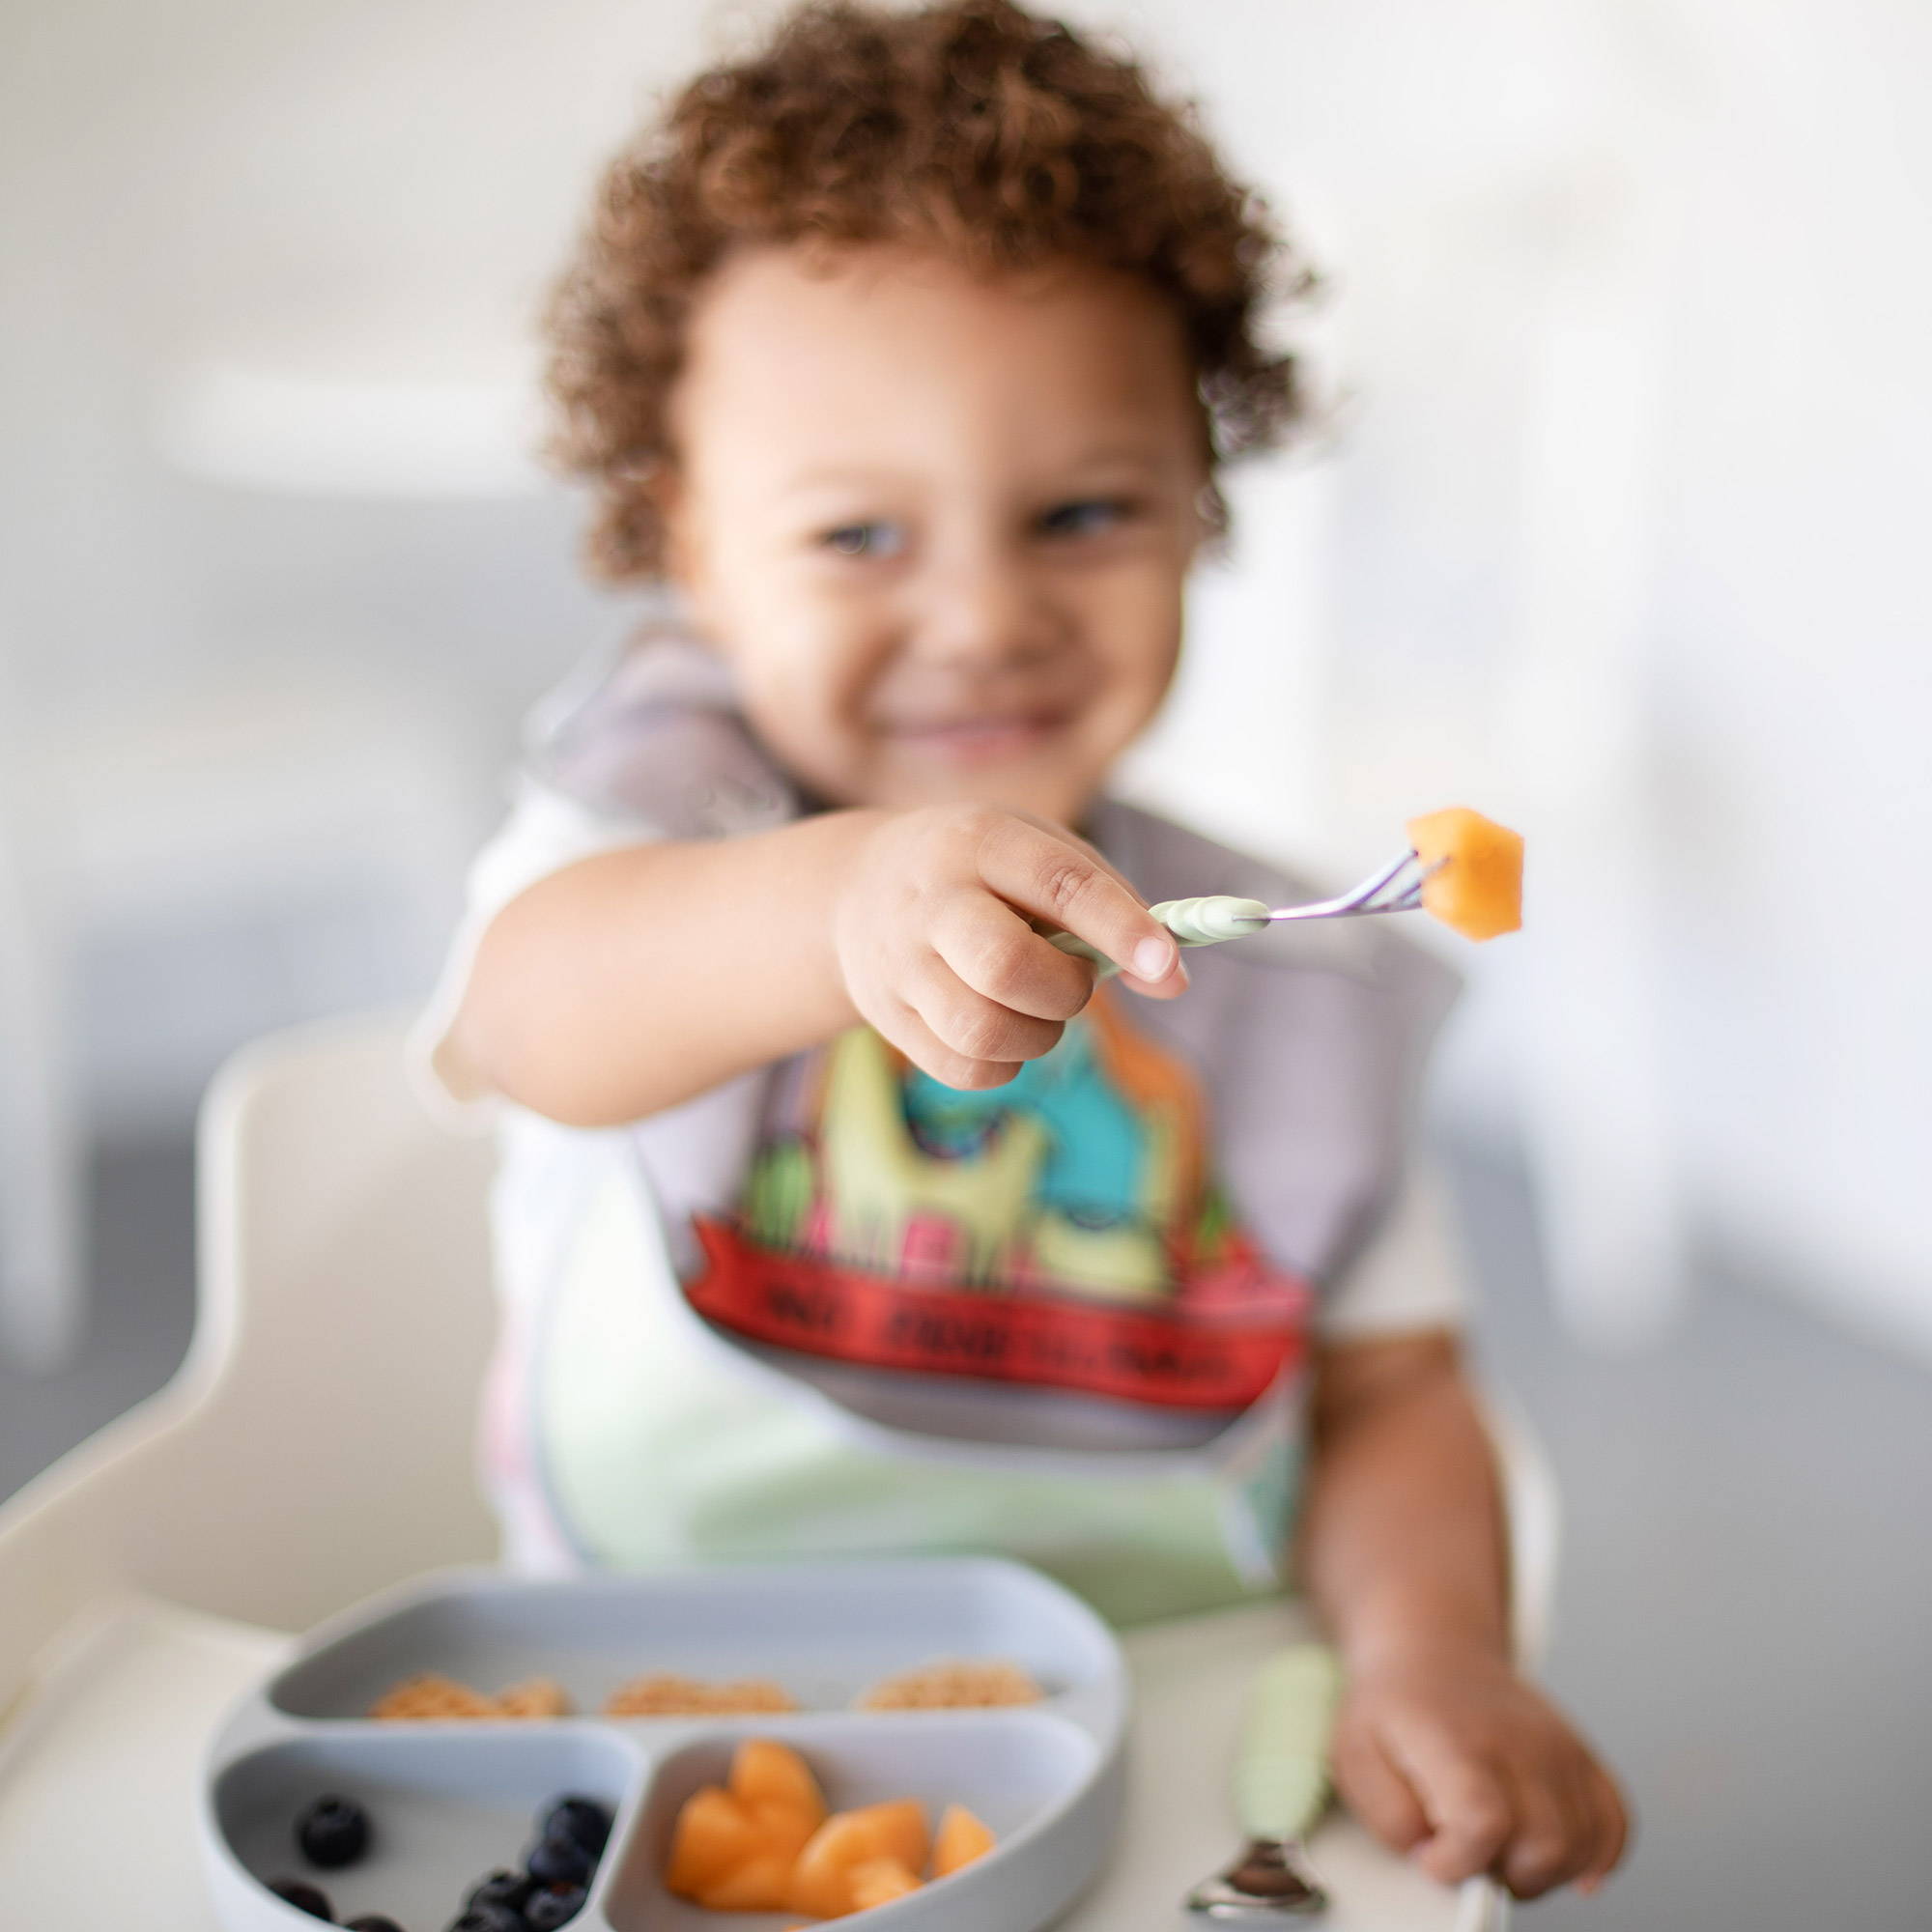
(994,611)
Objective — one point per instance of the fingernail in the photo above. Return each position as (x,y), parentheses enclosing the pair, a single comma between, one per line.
(1155,958)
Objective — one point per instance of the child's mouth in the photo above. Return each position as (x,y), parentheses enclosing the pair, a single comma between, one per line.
(978,740)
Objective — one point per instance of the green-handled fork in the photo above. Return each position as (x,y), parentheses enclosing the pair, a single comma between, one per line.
(1208,920)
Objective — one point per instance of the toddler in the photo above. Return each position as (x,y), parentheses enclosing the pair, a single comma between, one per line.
(840,1211)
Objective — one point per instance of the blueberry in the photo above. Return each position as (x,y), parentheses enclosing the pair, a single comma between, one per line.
(303,1896)
(553,1906)
(490,1918)
(558,1861)
(373,1921)
(581,1820)
(503,1888)
(332,1831)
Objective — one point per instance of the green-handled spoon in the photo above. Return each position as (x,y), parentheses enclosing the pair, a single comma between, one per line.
(1281,1788)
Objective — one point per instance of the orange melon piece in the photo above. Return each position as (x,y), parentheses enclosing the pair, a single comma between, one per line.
(1478,889)
(768,1776)
(786,1830)
(962,1839)
(822,1879)
(880,1881)
(901,1829)
(762,1883)
(822,1882)
(714,1836)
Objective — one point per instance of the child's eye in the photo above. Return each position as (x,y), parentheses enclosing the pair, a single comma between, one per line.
(865,539)
(1085,517)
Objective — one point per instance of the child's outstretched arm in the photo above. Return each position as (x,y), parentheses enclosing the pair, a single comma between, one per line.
(634,979)
(1441,1748)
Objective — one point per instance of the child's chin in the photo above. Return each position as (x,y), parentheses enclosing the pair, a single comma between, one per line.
(1039,765)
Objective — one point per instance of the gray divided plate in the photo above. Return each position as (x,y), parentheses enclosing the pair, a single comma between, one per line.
(452,1800)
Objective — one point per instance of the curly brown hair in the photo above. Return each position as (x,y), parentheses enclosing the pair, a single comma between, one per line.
(971,126)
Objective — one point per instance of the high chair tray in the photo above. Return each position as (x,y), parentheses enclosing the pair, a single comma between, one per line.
(452,1800)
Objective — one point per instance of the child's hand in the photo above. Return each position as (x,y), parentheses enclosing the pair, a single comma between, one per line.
(1455,1760)
(931,934)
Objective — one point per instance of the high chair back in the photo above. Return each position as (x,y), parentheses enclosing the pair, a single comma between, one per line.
(316,1445)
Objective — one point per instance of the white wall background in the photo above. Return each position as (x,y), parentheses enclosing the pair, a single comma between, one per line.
(1631,297)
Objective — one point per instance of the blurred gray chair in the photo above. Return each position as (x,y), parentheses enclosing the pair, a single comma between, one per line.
(40,1263)
(304,784)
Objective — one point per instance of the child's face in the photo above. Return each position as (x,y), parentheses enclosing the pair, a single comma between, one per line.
(940,525)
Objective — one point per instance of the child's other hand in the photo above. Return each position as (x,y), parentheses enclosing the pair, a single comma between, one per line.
(1460,1762)
(931,933)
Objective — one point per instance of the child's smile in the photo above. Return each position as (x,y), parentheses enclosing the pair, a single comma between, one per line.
(940,523)
(969,739)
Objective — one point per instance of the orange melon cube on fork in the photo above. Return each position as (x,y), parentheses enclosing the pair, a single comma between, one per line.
(1474,870)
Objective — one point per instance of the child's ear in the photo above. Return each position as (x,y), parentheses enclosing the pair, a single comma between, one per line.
(681,553)
(686,559)
(667,496)
(1208,535)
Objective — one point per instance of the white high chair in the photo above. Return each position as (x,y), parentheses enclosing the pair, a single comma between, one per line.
(316,1446)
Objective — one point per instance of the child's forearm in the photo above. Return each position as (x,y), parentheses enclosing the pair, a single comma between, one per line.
(1403,1546)
(1441,1746)
(634,979)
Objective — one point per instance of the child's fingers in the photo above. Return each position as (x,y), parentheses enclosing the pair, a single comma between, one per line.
(1610,1825)
(1170,988)
(1548,1842)
(919,1044)
(1375,1791)
(1068,837)
(996,953)
(1066,885)
(1467,1805)
(970,1024)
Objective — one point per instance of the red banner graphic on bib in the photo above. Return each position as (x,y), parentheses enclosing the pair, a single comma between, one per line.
(1210,1358)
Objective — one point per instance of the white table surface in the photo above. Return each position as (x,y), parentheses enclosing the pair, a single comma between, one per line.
(112,1740)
